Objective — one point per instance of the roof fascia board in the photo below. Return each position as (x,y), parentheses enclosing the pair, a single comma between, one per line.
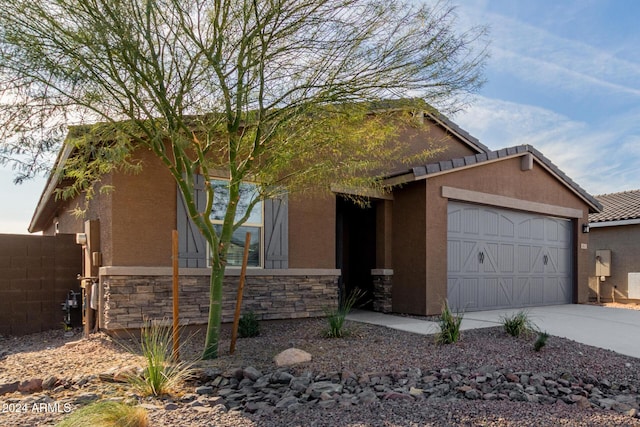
(614,223)
(361,192)
(566,184)
(412,176)
(50,187)
(409,177)
(455,132)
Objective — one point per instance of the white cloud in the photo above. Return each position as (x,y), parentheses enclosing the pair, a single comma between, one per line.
(593,155)
(535,55)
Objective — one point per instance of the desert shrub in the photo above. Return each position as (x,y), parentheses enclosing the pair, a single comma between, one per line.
(518,324)
(449,325)
(541,341)
(161,372)
(336,316)
(248,325)
(107,414)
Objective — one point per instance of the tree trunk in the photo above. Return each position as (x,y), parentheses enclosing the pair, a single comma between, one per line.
(215,313)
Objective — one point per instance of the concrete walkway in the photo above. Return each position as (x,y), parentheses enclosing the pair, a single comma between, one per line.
(614,329)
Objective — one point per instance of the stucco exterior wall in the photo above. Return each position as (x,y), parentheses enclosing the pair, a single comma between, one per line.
(409,249)
(143,213)
(440,145)
(623,242)
(503,178)
(312,231)
(68,222)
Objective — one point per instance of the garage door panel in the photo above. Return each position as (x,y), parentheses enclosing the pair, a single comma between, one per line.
(553,233)
(489,258)
(519,259)
(505,292)
(454,221)
(471,221)
(536,291)
(552,264)
(537,229)
(564,290)
(463,294)
(523,258)
(507,227)
(537,260)
(506,258)
(491,224)
(551,291)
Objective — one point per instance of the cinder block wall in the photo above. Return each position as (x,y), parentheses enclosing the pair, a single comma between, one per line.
(128,300)
(36,272)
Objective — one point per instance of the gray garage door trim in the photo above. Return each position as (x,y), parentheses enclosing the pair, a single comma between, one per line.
(499,258)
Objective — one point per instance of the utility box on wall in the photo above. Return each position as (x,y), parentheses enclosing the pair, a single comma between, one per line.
(634,286)
(603,263)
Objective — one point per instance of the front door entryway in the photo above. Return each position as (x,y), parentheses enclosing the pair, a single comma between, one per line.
(356,247)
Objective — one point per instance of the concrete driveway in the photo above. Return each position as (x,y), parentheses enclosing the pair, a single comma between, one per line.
(614,329)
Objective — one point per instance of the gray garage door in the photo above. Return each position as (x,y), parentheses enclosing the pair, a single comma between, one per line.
(498,258)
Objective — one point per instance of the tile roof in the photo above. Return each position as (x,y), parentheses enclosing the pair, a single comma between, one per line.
(450,165)
(453,127)
(618,206)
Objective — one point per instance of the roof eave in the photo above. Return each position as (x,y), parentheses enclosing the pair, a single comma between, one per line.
(47,200)
(419,173)
(614,223)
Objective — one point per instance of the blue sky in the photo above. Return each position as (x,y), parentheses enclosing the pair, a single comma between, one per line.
(563,76)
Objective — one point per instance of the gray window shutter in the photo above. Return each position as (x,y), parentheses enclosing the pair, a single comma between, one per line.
(192,247)
(276,233)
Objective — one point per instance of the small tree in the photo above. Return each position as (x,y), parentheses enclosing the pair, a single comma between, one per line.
(278,91)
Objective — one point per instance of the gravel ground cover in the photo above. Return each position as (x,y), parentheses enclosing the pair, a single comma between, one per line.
(58,374)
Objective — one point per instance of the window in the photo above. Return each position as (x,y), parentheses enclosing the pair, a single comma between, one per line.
(253,225)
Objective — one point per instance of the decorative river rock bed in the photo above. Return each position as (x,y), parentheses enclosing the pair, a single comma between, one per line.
(252,391)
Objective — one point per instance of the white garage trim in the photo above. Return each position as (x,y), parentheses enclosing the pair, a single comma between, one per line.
(509,202)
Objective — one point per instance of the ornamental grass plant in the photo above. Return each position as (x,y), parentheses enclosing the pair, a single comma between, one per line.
(449,325)
(107,414)
(519,324)
(336,316)
(161,373)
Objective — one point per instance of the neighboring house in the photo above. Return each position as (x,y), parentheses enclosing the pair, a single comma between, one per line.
(614,253)
(485,229)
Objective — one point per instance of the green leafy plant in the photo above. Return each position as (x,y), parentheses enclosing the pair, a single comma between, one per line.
(248,325)
(336,316)
(162,373)
(449,325)
(518,324)
(107,414)
(541,341)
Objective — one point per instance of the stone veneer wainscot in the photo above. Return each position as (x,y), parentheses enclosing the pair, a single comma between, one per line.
(131,294)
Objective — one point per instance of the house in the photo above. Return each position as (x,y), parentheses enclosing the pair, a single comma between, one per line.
(484,229)
(614,273)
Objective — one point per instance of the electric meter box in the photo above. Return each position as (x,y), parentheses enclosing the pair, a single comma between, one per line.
(603,263)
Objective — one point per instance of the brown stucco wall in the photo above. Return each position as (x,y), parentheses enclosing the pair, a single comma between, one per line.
(409,249)
(68,222)
(312,231)
(143,213)
(137,216)
(427,138)
(622,241)
(504,178)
